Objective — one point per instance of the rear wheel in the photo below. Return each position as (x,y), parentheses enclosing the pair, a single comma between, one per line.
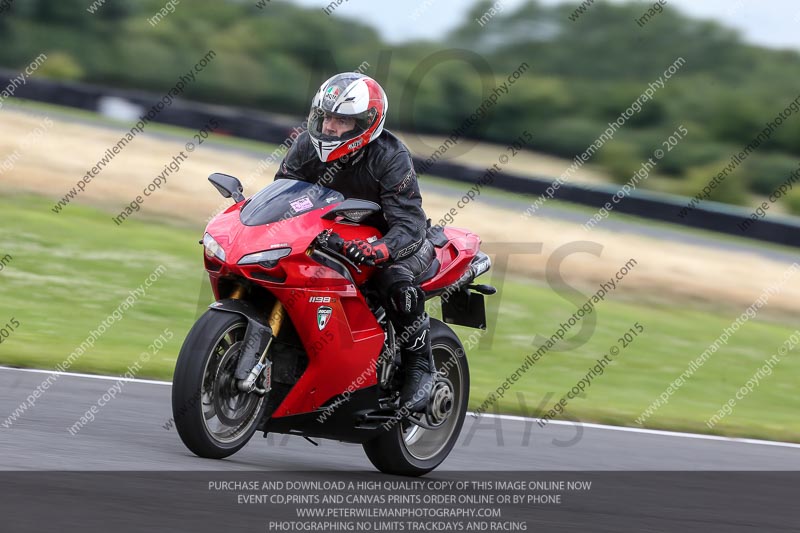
(410,450)
(213,417)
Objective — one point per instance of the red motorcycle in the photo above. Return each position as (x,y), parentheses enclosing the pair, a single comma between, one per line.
(297,341)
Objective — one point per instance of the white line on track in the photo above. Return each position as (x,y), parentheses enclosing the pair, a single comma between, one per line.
(90,376)
(660,432)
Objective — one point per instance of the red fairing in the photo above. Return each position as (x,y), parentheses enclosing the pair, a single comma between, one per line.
(338,330)
(454,258)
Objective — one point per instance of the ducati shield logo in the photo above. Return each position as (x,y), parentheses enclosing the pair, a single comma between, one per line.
(323,316)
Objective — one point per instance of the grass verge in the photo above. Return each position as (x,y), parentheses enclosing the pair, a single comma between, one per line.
(66,276)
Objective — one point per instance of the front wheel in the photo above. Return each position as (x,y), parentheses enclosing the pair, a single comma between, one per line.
(410,450)
(213,417)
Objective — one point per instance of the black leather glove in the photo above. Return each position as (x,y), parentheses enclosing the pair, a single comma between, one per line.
(363,252)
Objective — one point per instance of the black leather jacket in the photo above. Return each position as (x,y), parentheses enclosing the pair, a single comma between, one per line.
(381,172)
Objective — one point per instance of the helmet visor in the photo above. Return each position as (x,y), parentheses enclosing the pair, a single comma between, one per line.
(328,126)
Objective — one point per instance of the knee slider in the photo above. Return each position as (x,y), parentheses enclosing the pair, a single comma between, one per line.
(407,299)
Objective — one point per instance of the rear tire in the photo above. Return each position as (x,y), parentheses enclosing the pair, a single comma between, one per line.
(409,450)
(213,418)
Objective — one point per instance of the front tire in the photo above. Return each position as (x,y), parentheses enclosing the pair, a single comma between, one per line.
(409,450)
(213,418)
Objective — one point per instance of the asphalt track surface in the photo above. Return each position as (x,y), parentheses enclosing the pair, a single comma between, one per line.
(128,434)
(125,472)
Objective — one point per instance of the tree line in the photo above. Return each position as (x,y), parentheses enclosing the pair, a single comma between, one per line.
(582,75)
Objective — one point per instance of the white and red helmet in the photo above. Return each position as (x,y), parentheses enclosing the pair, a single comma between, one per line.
(347,95)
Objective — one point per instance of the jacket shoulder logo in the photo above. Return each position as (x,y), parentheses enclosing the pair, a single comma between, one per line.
(406,181)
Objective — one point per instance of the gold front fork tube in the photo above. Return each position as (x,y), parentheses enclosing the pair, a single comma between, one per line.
(276,317)
(275,320)
(237,293)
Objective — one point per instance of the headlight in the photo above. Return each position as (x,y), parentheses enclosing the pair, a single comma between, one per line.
(267,259)
(212,247)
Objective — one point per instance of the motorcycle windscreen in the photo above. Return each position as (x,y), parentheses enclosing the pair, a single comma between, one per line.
(284,199)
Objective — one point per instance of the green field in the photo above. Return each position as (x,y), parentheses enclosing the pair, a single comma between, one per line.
(68,272)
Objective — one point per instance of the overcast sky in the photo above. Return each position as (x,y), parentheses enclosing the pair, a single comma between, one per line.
(771,23)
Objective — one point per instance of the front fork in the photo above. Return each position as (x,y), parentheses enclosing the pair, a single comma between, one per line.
(258,335)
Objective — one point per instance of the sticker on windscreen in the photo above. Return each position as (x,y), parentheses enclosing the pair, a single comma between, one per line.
(301,204)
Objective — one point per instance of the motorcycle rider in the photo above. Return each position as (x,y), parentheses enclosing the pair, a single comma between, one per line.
(345,148)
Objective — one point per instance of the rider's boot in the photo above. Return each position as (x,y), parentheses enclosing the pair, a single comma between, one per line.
(419,376)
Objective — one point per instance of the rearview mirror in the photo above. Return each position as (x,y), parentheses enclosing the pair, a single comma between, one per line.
(353,210)
(228,186)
